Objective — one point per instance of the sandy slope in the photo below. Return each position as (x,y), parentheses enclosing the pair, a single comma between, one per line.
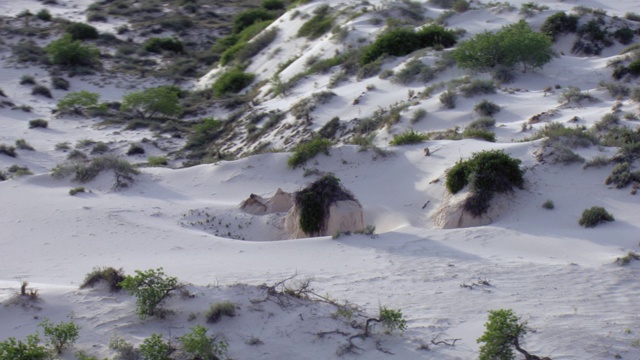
(558,276)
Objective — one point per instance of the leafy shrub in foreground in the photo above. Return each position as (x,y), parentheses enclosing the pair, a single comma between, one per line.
(60,336)
(200,346)
(315,200)
(217,310)
(408,137)
(151,288)
(503,333)
(594,216)
(113,277)
(155,348)
(28,350)
(304,152)
(232,81)
(403,41)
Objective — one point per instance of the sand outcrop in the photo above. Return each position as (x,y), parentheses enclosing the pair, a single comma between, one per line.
(281,201)
(451,214)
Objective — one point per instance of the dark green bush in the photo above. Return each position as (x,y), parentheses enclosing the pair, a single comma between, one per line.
(28,350)
(403,41)
(8,150)
(634,68)
(67,52)
(42,91)
(135,149)
(273,4)
(559,23)
(594,216)
(82,31)
(448,98)
(624,35)
(60,83)
(151,288)
(157,45)
(307,151)
(621,176)
(38,123)
(487,172)
(44,15)
(232,82)
(113,277)
(318,25)
(486,108)
(408,137)
(476,133)
(477,87)
(249,17)
(219,309)
(315,200)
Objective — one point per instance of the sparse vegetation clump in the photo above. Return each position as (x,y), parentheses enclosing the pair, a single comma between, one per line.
(408,137)
(8,150)
(217,310)
(486,108)
(448,98)
(403,41)
(112,276)
(151,288)
(158,45)
(558,24)
(84,172)
(38,123)
(318,24)
(487,172)
(622,175)
(308,150)
(42,91)
(157,102)
(478,87)
(200,346)
(548,204)
(79,102)
(60,336)
(314,202)
(155,348)
(76,190)
(68,52)
(594,216)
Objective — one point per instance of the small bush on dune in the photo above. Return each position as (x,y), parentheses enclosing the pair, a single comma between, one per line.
(157,102)
(42,91)
(60,336)
(44,15)
(68,52)
(414,70)
(60,83)
(487,172)
(448,98)
(22,144)
(558,24)
(157,45)
(157,161)
(250,17)
(594,216)
(24,350)
(408,137)
(480,134)
(217,310)
(112,276)
(155,348)
(232,82)
(8,150)
(477,87)
(318,25)
(76,190)
(151,288)
(307,151)
(200,346)
(486,108)
(314,202)
(621,176)
(82,31)
(549,205)
(85,172)
(79,102)
(504,332)
(38,123)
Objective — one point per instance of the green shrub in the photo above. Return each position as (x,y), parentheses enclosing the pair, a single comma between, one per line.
(41,90)
(594,216)
(232,82)
(448,98)
(200,346)
(476,133)
(408,137)
(306,151)
(403,41)
(477,87)
(318,25)
(624,35)
(418,115)
(113,277)
(38,123)
(217,310)
(19,170)
(135,149)
(157,102)
(124,350)
(392,319)
(503,332)
(572,94)
(250,17)
(634,68)
(60,83)
(28,350)
(512,45)
(157,45)
(76,190)
(123,170)
(44,15)
(486,108)
(78,102)
(157,160)
(151,288)
(558,24)
(549,205)
(8,150)
(315,200)
(487,172)
(82,31)
(273,4)
(22,144)
(621,176)
(155,348)
(60,336)
(27,79)
(414,70)
(67,52)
